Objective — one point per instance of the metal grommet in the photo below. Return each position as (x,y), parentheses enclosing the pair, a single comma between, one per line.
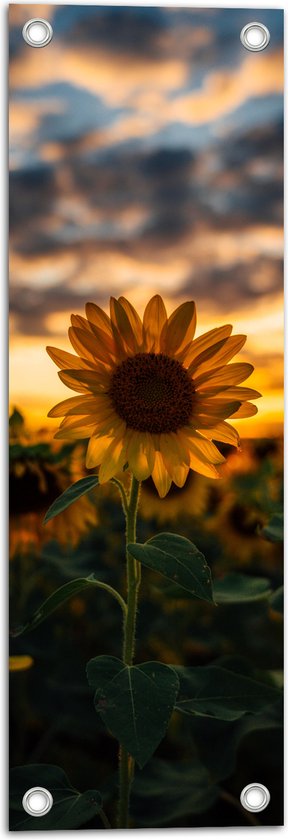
(255,36)
(255,797)
(37,801)
(37,32)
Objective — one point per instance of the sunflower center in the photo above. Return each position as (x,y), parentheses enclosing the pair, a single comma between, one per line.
(152,393)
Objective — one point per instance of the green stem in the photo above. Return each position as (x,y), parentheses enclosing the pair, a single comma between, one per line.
(126,762)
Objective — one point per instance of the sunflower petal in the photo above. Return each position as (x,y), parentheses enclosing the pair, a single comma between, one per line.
(222,432)
(65,406)
(71,382)
(203,448)
(91,404)
(174,450)
(97,318)
(180,328)
(122,327)
(203,342)
(223,376)
(223,353)
(97,448)
(81,323)
(113,460)
(179,474)
(239,393)
(246,410)
(140,454)
(160,476)
(203,467)
(208,412)
(155,316)
(77,433)
(66,360)
(134,319)
(92,379)
(98,348)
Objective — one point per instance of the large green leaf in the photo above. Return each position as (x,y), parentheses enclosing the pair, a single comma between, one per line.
(217,692)
(59,597)
(179,560)
(79,488)
(70,809)
(134,702)
(217,741)
(165,792)
(237,589)
(233,588)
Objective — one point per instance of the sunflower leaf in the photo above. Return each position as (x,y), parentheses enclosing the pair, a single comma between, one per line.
(216,692)
(60,596)
(70,808)
(135,702)
(79,488)
(179,560)
(236,588)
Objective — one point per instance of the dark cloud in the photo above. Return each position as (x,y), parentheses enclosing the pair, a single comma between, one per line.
(32,306)
(123,30)
(183,181)
(241,283)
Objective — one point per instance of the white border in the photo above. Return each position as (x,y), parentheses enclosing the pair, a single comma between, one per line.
(152,834)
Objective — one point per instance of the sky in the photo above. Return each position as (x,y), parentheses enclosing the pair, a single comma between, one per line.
(145,157)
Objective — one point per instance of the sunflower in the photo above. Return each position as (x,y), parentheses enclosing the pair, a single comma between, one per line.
(149,394)
(38,472)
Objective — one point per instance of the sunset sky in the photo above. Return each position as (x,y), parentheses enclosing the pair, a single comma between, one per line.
(146,156)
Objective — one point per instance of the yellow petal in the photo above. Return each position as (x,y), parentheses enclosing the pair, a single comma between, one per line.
(242,394)
(209,411)
(179,474)
(174,450)
(140,454)
(200,446)
(81,323)
(97,318)
(97,448)
(71,382)
(92,379)
(78,433)
(222,432)
(205,341)
(223,353)
(64,407)
(113,460)
(155,316)
(180,328)
(66,360)
(96,347)
(91,405)
(134,319)
(223,376)
(122,328)
(160,476)
(246,410)
(202,467)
